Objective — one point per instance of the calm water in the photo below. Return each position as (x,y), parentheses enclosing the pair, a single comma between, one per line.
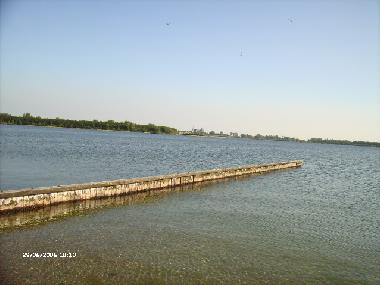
(315,225)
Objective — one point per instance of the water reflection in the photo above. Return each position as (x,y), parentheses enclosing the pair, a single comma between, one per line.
(30,217)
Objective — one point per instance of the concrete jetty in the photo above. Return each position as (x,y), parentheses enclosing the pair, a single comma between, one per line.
(46,196)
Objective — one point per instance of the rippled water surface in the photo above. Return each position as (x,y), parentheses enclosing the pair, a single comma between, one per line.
(318,224)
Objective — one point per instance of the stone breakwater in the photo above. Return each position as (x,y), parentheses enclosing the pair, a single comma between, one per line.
(45,196)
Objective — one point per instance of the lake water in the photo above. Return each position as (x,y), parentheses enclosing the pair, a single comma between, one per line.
(319,224)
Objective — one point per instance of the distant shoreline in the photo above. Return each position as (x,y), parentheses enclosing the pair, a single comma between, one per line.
(110,125)
(280,139)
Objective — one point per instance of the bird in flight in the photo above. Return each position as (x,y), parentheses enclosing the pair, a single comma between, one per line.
(291,20)
(241,52)
(167,23)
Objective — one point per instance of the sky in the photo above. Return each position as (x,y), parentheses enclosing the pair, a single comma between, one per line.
(292,68)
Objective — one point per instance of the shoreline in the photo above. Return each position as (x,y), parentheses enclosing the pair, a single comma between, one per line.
(372,144)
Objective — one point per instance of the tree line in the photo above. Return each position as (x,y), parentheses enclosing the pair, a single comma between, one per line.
(312,140)
(343,142)
(28,119)
(282,138)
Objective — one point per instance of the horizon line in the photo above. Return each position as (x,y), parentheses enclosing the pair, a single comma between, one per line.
(205,133)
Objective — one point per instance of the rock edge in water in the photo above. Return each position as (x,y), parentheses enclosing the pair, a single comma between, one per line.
(45,196)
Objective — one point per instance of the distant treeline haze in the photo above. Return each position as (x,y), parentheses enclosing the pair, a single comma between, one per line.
(27,119)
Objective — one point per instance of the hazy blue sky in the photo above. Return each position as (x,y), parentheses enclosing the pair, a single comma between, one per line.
(316,75)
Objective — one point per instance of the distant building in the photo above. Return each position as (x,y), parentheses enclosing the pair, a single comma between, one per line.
(198,132)
(184,132)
